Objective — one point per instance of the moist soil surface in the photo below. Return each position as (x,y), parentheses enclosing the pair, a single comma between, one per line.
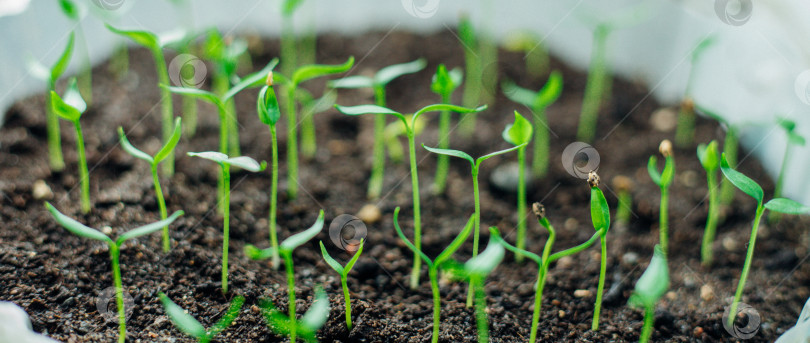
(57,277)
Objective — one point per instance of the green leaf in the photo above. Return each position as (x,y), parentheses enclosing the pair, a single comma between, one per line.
(708,156)
(450,152)
(787,124)
(182,320)
(62,109)
(63,61)
(457,242)
(550,92)
(496,235)
(255,253)
(407,242)
(147,229)
(518,133)
(217,157)
(796,139)
(267,106)
(70,9)
(483,264)
(655,280)
(75,227)
(600,212)
(501,152)
(652,169)
(389,73)
(169,146)
(354,259)
(289,7)
(744,183)
(144,38)
(787,206)
(352,82)
(441,83)
(324,103)
(253,80)
(297,239)
(368,109)
(518,94)
(669,171)
(331,261)
(446,107)
(245,163)
(228,318)
(131,149)
(196,93)
(312,71)
(317,314)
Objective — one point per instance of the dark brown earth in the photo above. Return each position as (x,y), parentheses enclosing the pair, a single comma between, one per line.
(56,276)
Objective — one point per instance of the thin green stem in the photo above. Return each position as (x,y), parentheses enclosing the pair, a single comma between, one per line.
(233,129)
(166,111)
(727,189)
(576,249)
(601,288)
(223,148)
(649,318)
(437,298)
(711,220)
(292,145)
(476,228)
(274,197)
(443,161)
(348,302)
(521,203)
(119,293)
(226,178)
(84,175)
(773,216)
(664,219)
(162,205)
(541,281)
(288,266)
(288,46)
(594,88)
(417,220)
(481,310)
(309,144)
(189,116)
(624,208)
(54,136)
(375,182)
(541,143)
(749,256)
(685,131)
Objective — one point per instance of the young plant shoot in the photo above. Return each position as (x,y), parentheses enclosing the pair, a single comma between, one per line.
(685,131)
(663,180)
(730,149)
(307,327)
(649,288)
(793,138)
(543,262)
(71,107)
(225,164)
(81,230)
(444,83)
(192,327)
(781,205)
(710,160)
(269,114)
(600,216)
(475,164)
(624,208)
(51,75)
(153,163)
(344,274)
(410,124)
(285,250)
(433,266)
(308,144)
(519,133)
(378,83)
(597,87)
(537,102)
(225,54)
(155,43)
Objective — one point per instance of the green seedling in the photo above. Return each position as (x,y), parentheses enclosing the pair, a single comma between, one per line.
(710,160)
(285,250)
(475,167)
(220,101)
(444,83)
(71,107)
(289,45)
(75,12)
(685,131)
(534,51)
(598,85)
(781,205)
(663,180)
(225,164)
(269,114)
(537,102)
(81,230)
(308,144)
(344,274)
(800,332)
(433,266)
(155,43)
(192,327)
(543,262)
(480,52)
(475,271)
(624,208)
(793,138)
(307,327)
(649,288)
(225,55)
(730,149)
(51,75)
(600,217)
(409,124)
(153,163)
(519,133)
(378,83)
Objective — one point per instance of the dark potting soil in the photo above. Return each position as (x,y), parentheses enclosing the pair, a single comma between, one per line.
(57,277)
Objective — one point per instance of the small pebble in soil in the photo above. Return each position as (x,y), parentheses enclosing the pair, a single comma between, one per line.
(505,177)
(664,119)
(582,293)
(338,147)
(697,332)
(671,296)
(561,314)
(630,258)
(565,262)
(106,229)
(369,214)
(706,293)
(41,191)
(689,178)
(571,224)
(688,281)
(730,244)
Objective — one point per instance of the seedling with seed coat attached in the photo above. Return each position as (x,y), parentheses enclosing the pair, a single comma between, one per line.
(519,133)
(192,327)
(71,109)
(649,288)
(81,230)
(344,274)
(710,160)
(600,216)
(663,180)
(269,114)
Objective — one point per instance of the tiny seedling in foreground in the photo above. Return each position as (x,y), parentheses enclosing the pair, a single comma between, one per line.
(519,133)
(344,274)
(782,205)
(225,164)
(537,102)
(309,324)
(649,288)
(710,160)
(444,83)
(663,180)
(192,327)
(793,138)
(378,83)
(71,107)
(410,124)
(600,216)
(433,266)
(153,163)
(81,230)
(475,164)
(285,249)
(597,87)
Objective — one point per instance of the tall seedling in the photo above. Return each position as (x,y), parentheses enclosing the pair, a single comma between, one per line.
(663,180)
(710,160)
(71,107)
(444,83)
(598,85)
(519,133)
(600,216)
(269,114)
(685,132)
(225,53)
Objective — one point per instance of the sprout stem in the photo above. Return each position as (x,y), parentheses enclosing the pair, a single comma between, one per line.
(541,143)
(595,87)
(749,256)
(480,309)
(417,220)
(348,301)
(119,292)
(189,116)
(601,288)
(309,145)
(292,144)
(54,136)
(434,287)
(711,221)
(649,318)
(623,209)
(443,161)
(226,178)
(521,206)
(375,182)
(664,219)
(476,227)
(288,266)
(727,189)
(274,197)
(84,175)
(166,111)
(162,205)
